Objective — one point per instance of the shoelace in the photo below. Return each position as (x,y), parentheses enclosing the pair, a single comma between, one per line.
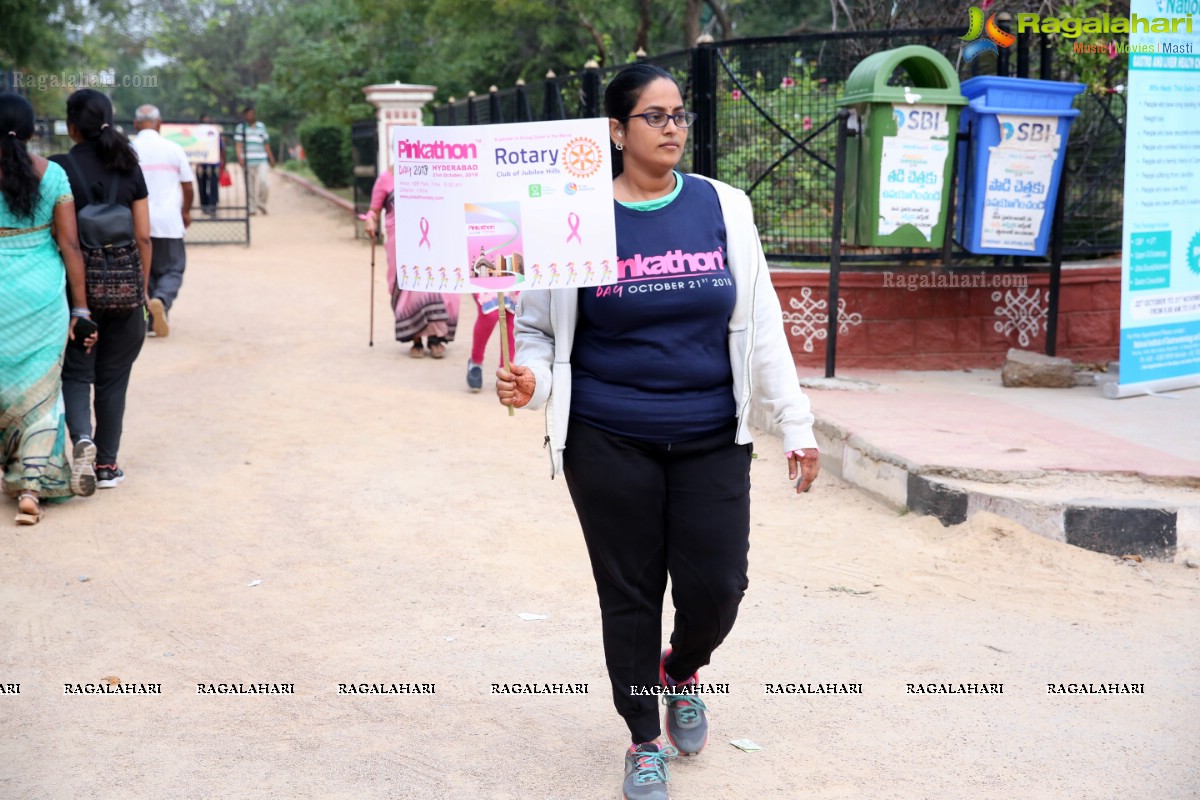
(686,707)
(652,764)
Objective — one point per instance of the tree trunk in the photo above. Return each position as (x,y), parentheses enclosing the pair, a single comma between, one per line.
(640,39)
(722,18)
(691,22)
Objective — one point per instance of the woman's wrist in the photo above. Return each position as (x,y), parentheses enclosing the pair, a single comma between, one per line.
(81,311)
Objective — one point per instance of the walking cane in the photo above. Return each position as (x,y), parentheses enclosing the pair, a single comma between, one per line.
(371,338)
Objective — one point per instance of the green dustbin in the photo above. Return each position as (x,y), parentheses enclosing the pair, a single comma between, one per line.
(897,180)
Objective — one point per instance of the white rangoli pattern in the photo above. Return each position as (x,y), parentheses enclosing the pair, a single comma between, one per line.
(1023,310)
(810,319)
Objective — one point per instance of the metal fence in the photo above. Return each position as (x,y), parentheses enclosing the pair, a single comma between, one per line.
(226,221)
(767,125)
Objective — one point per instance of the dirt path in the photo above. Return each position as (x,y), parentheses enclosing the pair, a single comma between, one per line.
(399,524)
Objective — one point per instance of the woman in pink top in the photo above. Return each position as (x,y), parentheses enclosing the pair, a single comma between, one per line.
(431,315)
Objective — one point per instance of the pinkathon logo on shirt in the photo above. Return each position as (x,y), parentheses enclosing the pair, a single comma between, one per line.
(435,151)
(675,262)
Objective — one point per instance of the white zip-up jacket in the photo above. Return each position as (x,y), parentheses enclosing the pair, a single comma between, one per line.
(763,368)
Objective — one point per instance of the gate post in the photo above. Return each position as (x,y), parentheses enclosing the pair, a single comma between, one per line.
(494,113)
(704,103)
(589,101)
(552,102)
(524,112)
(397,105)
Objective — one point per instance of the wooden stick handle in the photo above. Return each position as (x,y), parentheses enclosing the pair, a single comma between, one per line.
(504,354)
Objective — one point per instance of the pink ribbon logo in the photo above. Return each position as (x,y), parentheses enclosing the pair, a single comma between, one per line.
(573,221)
(424,226)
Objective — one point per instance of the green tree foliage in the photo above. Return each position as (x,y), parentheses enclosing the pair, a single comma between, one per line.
(327,145)
(216,52)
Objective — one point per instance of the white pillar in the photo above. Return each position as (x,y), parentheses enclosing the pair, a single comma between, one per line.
(397,105)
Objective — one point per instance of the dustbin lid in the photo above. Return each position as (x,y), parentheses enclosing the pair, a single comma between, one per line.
(933,79)
(979,105)
(1029,93)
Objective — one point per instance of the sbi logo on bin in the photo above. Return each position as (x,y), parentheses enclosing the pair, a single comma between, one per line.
(976,28)
(1031,132)
(933,120)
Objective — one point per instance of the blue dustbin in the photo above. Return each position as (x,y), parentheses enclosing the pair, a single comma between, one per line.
(1008,179)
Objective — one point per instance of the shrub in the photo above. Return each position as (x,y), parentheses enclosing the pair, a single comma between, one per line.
(327,148)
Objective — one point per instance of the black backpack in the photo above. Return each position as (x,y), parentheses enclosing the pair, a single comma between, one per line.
(112,263)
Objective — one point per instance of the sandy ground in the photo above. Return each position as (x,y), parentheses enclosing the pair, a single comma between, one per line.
(399,524)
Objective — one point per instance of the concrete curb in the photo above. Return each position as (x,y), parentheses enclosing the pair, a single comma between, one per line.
(319,191)
(1164,530)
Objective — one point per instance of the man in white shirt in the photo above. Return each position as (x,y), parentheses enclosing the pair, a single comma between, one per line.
(170,181)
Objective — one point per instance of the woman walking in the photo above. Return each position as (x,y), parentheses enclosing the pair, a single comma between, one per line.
(101,156)
(431,316)
(487,307)
(37,221)
(651,391)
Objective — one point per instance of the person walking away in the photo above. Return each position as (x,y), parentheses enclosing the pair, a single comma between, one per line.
(208,176)
(252,142)
(38,249)
(648,396)
(101,159)
(170,182)
(432,315)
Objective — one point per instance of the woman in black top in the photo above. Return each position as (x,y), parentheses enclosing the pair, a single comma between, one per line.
(103,154)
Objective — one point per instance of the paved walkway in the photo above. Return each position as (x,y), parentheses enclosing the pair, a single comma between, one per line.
(303,510)
(1119,476)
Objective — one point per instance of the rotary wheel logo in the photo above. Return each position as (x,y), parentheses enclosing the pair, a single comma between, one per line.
(582,157)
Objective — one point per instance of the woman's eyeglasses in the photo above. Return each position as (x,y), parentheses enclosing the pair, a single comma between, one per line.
(658,119)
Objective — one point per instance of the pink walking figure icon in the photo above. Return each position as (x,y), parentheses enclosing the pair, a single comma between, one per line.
(537,274)
(444,278)
(424,226)
(458,278)
(588,271)
(403,272)
(573,221)
(571,274)
(429,276)
(553,274)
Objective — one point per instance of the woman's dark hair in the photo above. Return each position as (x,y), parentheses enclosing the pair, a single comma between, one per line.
(91,113)
(622,94)
(18,182)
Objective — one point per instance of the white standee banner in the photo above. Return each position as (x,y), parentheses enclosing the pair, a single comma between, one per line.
(504,208)
(1160,291)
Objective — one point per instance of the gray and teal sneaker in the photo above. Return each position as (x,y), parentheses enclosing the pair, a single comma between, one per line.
(646,774)
(686,717)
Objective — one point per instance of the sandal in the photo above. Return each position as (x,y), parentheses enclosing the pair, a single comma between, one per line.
(29,509)
(436,348)
(417,351)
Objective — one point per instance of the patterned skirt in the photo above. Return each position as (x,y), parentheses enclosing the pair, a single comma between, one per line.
(420,313)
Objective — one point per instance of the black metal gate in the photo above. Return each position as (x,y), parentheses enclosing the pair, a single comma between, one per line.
(364,149)
(225,221)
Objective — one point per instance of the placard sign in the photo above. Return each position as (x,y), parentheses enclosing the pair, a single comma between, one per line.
(202,143)
(1019,175)
(509,207)
(913,169)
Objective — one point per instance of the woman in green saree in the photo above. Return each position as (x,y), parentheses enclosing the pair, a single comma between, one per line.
(37,220)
